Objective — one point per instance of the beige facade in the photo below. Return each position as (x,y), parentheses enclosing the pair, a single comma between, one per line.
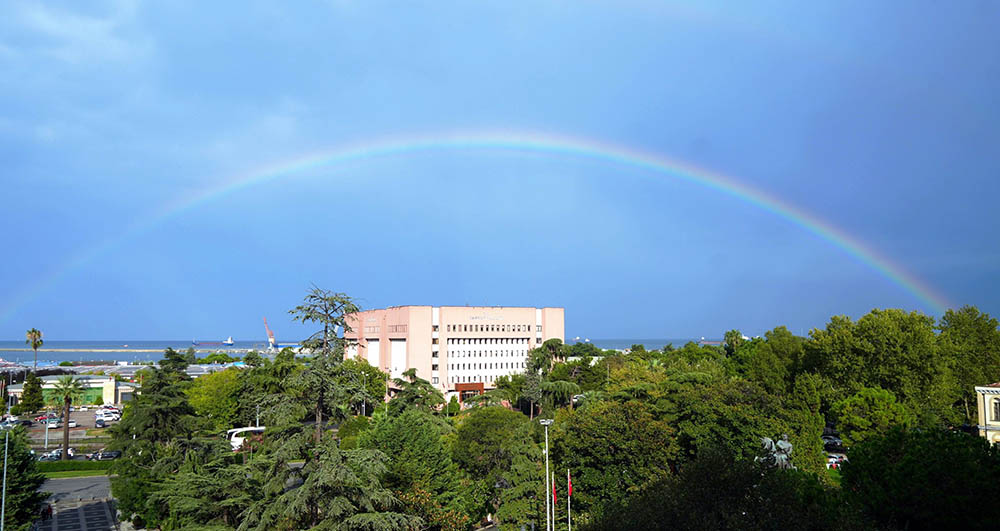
(988,404)
(451,345)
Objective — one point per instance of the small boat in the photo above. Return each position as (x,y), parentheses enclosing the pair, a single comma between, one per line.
(229,341)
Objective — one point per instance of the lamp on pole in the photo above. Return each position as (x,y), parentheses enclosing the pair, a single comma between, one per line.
(548,522)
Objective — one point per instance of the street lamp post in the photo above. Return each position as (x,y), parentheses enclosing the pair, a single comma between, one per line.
(548,522)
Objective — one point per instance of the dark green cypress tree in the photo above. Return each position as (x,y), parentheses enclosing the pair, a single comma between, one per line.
(31,399)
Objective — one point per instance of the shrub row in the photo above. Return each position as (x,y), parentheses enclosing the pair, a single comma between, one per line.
(60,466)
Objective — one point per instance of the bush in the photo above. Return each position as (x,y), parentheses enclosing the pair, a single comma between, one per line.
(925,479)
(16,410)
(61,466)
(717,491)
(65,363)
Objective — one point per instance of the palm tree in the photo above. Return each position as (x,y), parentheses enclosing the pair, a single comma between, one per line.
(67,388)
(33,337)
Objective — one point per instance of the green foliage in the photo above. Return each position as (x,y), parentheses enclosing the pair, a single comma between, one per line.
(60,466)
(925,479)
(339,489)
(65,363)
(454,406)
(330,310)
(67,389)
(971,340)
(869,412)
(215,396)
(717,491)
(31,399)
(23,483)
(16,409)
(893,350)
(33,338)
(613,450)
(217,357)
(487,443)
(414,393)
(521,498)
(418,458)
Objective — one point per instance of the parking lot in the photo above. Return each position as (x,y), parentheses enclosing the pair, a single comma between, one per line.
(79,436)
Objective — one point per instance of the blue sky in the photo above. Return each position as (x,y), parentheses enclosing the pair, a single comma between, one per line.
(879,119)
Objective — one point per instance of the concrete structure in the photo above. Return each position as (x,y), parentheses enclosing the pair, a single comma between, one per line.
(988,404)
(456,348)
(97,390)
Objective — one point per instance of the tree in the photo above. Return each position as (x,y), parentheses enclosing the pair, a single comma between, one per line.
(487,442)
(869,412)
(613,450)
(339,490)
(418,458)
(970,340)
(31,398)
(23,483)
(925,479)
(893,350)
(328,309)
(414,392)
(718,491)
(733,340)
(215,396)
(33,338)
(67,389)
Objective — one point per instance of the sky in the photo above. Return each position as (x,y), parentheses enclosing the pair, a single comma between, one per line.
(153,184)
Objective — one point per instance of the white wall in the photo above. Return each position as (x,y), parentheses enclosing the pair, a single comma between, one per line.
(397,362)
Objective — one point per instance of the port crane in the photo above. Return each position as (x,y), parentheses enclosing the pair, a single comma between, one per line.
(272,344)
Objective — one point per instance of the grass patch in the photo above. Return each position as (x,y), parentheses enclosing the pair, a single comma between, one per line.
(834,475)
(97,432)
(74,474)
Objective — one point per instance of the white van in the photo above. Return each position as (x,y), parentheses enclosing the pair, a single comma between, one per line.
(237,435)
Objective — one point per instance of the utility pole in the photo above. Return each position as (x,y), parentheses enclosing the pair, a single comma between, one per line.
(548,517)
(257,424)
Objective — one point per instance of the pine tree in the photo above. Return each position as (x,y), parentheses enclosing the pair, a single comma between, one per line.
(23,482)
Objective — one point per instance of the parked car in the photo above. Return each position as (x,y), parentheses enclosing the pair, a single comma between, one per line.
(72,424)
(43,418)
(107,455)
(99,423)
(25,422)
(835,460)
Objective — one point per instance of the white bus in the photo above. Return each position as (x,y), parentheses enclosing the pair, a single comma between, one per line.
(237,435)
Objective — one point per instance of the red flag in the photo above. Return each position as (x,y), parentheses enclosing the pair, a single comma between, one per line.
(553,490)
(569,484)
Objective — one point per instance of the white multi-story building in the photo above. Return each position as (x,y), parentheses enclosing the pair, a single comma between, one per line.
(456,348)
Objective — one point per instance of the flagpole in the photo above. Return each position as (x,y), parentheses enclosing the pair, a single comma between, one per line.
(569,496)
(553,500)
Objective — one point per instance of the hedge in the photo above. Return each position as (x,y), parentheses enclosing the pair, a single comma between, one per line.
(59,466)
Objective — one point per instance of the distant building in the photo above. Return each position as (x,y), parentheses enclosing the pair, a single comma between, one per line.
(988,404)
(459,349)
(97,390)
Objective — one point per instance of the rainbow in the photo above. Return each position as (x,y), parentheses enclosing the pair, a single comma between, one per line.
(517,141)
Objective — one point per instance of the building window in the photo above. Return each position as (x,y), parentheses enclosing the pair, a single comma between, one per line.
(996,410)
(434,367)
(434,341)
(434,379)
(434,328)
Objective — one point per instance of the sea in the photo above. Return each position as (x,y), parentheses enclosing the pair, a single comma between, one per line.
(112,351)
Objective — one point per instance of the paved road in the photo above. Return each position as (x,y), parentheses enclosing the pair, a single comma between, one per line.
(82,504)
(76,488)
